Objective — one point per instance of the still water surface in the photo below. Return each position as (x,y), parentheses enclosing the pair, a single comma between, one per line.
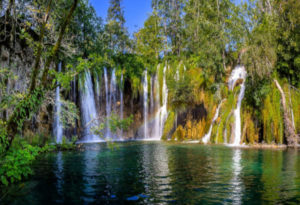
(161,173)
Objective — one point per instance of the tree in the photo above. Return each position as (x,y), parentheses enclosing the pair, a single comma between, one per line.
(213,33)
(149,40)
(170,13)
(115,27)
(288,49)
(35,97)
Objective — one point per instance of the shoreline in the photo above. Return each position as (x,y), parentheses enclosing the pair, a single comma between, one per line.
(197,142)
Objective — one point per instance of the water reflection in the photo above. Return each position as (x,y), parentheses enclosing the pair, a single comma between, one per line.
(89,174)
(155,171)
(236,183)
(158,173)
(59,175)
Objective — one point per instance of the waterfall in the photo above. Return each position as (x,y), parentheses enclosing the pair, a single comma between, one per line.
(58,127)
(74,98)
(238,73)
(121,103)
(155,131)
(110,98)
(206,137)
(177,73)
(97,88)
(88,109)
(145,103)
(113,91)
(151,96)
(107,105)
(162,113)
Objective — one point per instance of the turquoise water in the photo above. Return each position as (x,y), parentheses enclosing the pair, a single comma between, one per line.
(161,173)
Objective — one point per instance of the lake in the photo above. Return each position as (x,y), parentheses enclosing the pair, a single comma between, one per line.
(162,173)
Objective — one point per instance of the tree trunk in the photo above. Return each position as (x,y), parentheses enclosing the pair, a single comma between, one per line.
(57,45)
(289,130)
(36,67)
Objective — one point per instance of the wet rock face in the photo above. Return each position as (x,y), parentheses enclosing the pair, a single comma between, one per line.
(196,113)
(18,58)
(238,82)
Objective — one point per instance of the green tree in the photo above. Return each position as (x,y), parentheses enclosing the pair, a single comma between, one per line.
(149,39)
(288,50)
(171,13)
(115,27)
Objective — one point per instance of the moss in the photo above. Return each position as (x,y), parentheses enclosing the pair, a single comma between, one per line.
(179,134)
(293,100)
(272,118)
(160,74)
(200,127)
(169,124)
(223,129)
(250,133)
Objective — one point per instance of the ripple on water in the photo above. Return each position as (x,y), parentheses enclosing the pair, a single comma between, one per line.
(158,173)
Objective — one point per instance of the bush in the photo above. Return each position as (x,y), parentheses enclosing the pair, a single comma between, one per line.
(16,163)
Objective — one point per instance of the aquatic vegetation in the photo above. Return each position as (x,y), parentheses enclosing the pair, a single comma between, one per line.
(272,117)
(168,126)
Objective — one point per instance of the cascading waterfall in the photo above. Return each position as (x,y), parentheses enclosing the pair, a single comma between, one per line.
(107,105)
(145,104)
(88,109)
(112,99)
(238,73)
(156,129)
(121,103)
(97,88)
(177,73)
(151,95)
(162,113)
(111,93)
(58,127)
(206,137)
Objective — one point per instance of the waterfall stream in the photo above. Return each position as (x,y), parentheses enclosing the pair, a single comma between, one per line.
(145,104)
(162,113)
(121,103)
(238,73)
(89,114)
(206,137)
(107,105)
(58,127)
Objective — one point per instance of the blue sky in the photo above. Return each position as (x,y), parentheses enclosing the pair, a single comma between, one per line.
(136,11)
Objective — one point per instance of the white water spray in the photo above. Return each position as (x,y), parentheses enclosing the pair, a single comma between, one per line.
(58,127)
(162,113)
(88,109)
(238,73)
(107,105)
(121,103)
(145,104)
(206,137)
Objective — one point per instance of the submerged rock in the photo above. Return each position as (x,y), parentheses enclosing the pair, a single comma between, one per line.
(132,198)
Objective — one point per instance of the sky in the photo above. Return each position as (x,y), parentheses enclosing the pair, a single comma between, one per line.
(136,11)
